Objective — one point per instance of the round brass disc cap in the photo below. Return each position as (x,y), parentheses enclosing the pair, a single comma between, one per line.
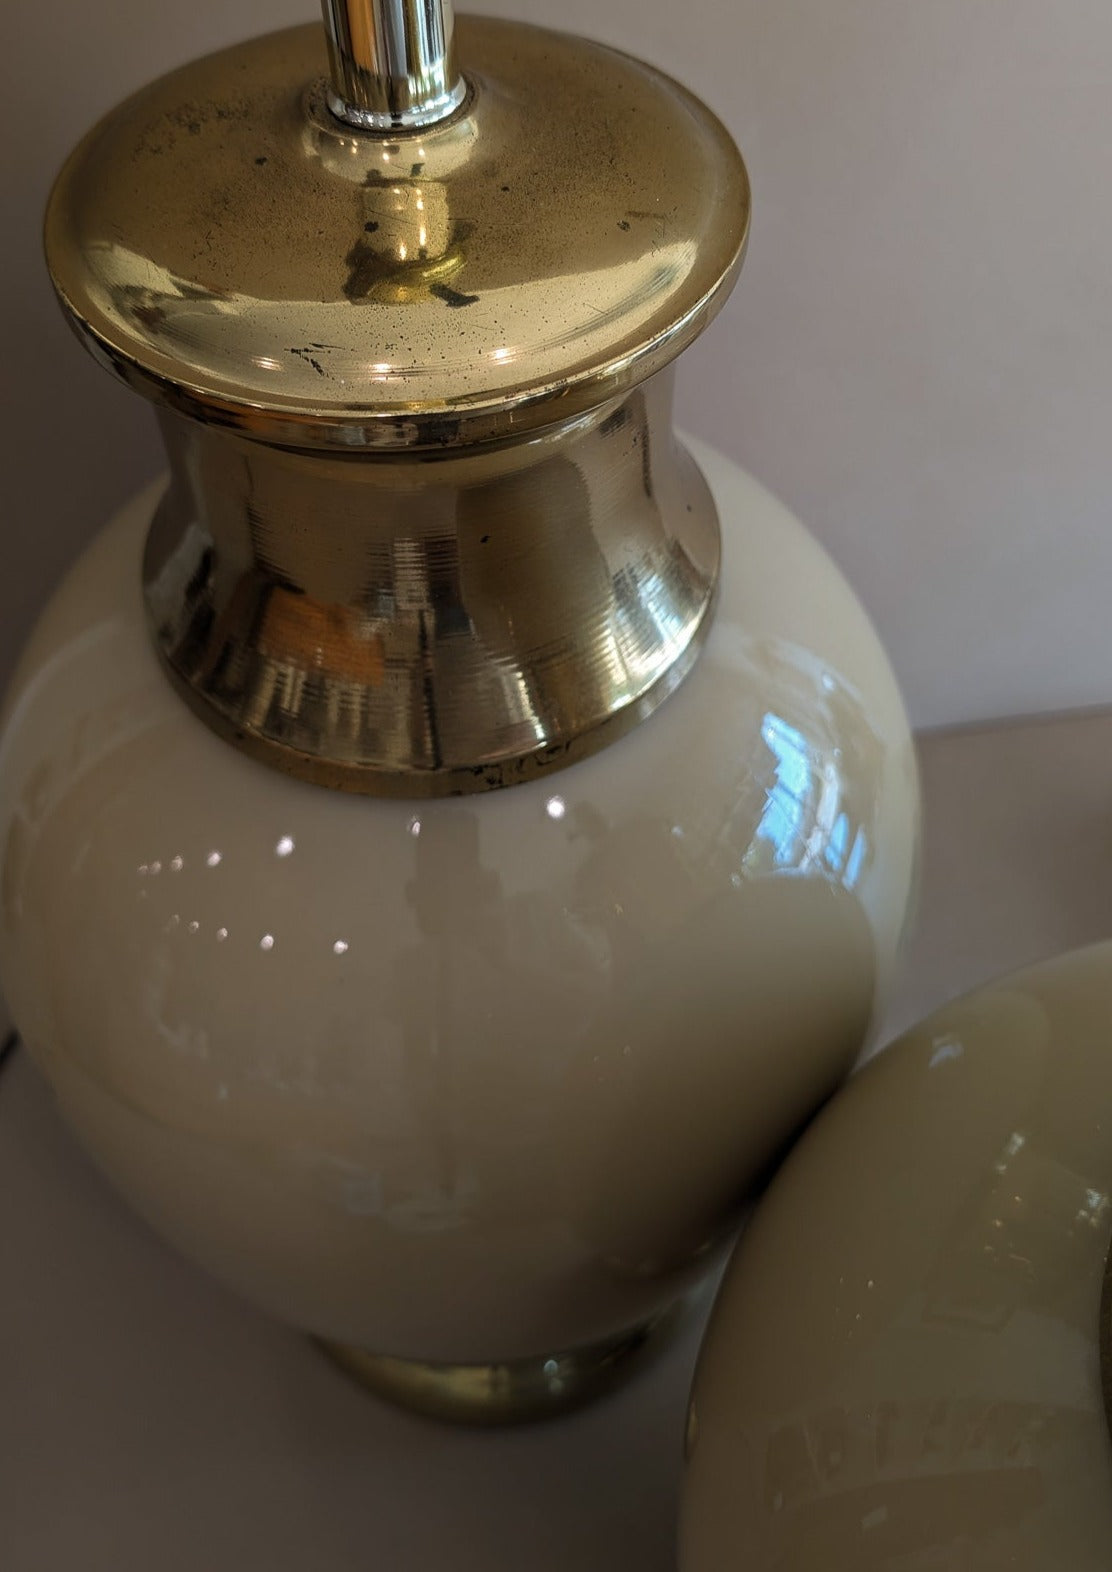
(233,250)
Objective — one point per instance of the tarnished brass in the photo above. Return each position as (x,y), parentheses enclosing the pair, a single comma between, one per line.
(428,529)
(231,249)
(517,1390)
(426,629)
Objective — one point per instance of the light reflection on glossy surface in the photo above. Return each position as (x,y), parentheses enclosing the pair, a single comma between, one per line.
(903,1368)
(487,1079)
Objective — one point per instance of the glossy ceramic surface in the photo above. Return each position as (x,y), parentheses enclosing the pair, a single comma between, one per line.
(470,1079)
(903,1370)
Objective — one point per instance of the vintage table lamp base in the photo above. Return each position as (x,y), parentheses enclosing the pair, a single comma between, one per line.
(451,831)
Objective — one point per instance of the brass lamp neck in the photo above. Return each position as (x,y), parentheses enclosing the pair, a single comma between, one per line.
(413,628)
(393,63)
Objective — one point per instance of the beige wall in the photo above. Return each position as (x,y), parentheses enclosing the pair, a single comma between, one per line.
(918,358)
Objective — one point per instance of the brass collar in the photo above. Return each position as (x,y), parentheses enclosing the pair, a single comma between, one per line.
(419,629)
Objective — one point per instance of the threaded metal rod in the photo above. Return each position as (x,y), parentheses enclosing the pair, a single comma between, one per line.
(393,63)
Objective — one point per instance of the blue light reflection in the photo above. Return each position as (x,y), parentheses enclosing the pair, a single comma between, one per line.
(805,823)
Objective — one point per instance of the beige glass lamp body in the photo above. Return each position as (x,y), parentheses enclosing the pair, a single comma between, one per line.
(436,876)
(910,1361)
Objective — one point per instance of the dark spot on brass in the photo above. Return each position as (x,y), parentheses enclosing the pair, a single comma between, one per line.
(505,188)
(370,226)
(415,169)
(483,539)
(310,359)
(451,297)
(194,128)
(623,223)
(261,159)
